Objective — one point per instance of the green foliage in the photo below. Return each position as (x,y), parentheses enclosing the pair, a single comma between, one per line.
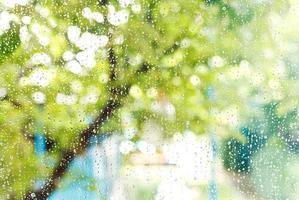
(9,42)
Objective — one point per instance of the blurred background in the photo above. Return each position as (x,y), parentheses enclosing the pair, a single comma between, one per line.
(149,99)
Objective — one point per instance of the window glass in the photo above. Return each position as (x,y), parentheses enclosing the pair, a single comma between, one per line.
(149,99)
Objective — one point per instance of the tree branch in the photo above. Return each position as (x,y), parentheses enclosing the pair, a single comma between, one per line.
(103,2)
(112,62)
(68,155)
(12,101)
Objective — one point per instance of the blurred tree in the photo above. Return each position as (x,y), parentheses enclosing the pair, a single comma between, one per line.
(119,64)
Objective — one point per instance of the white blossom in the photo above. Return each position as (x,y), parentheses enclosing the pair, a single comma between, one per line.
(3,92)
(87,13)
(73,33)
(68,55)
(13,3)
(86,58)
(98,17)
(125,3)
(66,99)
(35,28)
(43,40)
(136,8)
(24,34)
(41,58)
(26,20)
(216,61)
(39,97)
(74,67)
(5,19)
(91,41)
(43,11)
(41,77)
(194,80)
(117,18)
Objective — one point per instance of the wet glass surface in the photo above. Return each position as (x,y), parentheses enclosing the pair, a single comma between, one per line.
(149,99)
